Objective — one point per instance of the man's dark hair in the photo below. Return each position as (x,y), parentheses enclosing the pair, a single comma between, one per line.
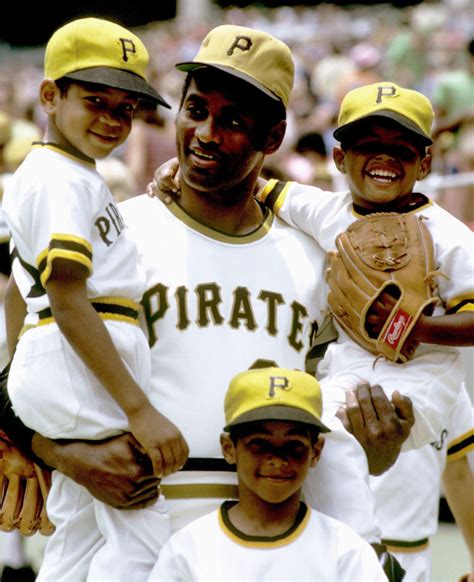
(267,112)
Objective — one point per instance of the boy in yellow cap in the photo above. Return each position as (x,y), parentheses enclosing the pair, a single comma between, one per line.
(384,132)
(272,435)
(81,367)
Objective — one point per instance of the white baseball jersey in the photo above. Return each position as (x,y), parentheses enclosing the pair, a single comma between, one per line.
(433,376)
(316,547)
(408,493)
(214,305)
(58,206)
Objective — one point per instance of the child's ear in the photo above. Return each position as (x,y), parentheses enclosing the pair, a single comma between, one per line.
(316,451)
(339,157)
(425,167)
(49,96)
(228,448)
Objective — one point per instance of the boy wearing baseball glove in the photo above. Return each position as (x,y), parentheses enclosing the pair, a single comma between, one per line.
(81,367)
(401,282)
(400,268)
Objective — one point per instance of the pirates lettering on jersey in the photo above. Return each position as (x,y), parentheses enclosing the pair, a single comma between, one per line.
(110,225)
(210,306)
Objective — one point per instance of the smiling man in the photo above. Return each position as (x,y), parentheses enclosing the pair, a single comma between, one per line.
(228,285)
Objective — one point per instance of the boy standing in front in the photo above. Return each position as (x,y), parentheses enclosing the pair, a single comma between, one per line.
(272,435)
(81,368)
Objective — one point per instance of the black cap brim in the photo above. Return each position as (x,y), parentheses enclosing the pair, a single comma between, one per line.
(347,132)
(119,79)
(279,412)
(192,66)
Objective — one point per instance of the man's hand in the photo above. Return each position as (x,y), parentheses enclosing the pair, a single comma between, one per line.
(115,471)
(166,184)
(381,426)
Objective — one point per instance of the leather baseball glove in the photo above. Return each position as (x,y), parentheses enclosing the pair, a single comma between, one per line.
(24,490)
(383,252)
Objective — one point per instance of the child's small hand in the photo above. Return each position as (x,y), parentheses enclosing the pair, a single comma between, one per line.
(379,312)
(166,184)
(161,440)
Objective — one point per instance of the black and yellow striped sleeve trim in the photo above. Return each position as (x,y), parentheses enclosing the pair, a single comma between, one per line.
(460,304)
(461,446)
(64,246)
(274,194)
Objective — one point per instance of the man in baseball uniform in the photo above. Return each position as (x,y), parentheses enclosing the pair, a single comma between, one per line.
(229,285)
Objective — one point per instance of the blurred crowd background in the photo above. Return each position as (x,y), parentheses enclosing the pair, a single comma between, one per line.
(428,47)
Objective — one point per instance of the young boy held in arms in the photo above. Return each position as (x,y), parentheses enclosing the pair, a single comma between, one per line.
(81,367)
(384,132)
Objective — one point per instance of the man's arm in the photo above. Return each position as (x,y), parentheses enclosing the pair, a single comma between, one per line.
(381,426)
(113,470)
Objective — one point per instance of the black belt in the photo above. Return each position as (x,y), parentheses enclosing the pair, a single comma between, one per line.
(206,464)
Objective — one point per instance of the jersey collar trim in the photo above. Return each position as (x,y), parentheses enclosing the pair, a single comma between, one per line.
(70,153)
(261,231)
(419,201)
(263,542)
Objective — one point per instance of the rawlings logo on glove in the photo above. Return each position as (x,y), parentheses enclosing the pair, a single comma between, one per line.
(383,252)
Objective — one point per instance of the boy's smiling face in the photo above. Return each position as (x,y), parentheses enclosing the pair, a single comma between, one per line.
(93,119)
(273,458)
(382,163)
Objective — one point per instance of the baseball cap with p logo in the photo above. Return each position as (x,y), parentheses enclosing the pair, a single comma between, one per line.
(251,55)
(273,394)
(408,108)
(98,51)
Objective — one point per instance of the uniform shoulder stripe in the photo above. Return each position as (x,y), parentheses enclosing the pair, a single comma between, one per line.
(67,247)
(274,193)
(461,446)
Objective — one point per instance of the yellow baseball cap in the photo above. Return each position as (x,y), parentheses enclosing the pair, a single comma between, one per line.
(408,108)
(98,51)
(251,55)
(273,394)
